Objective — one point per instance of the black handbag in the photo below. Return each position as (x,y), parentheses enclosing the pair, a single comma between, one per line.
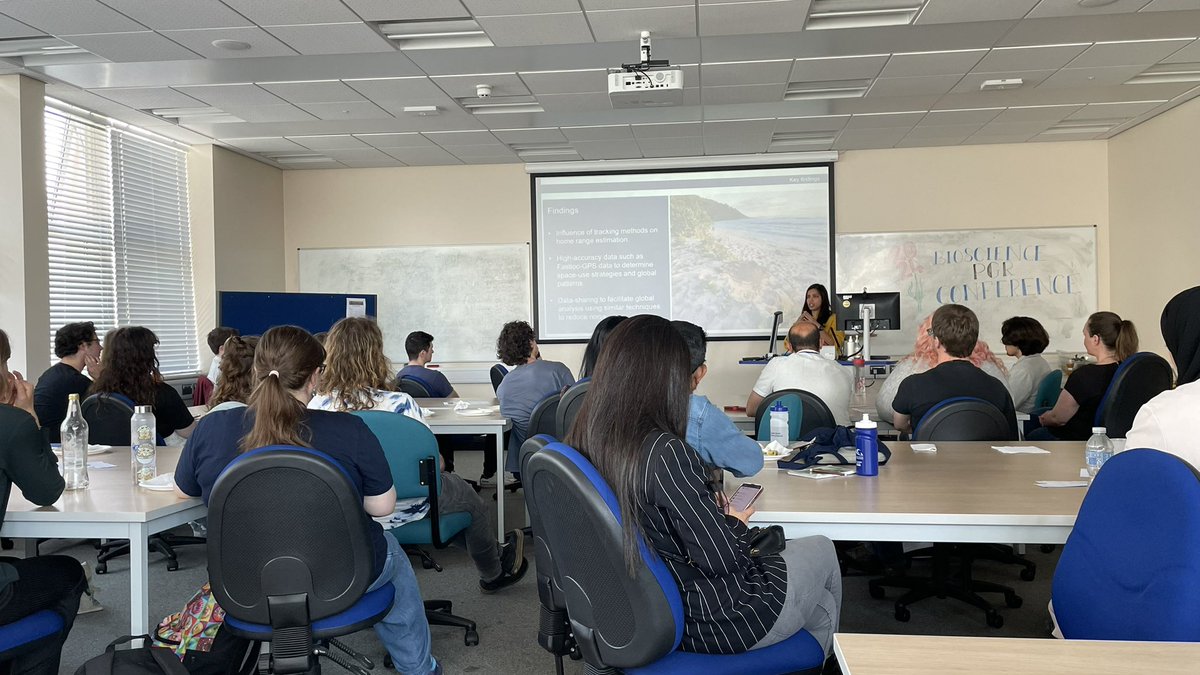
(766,541)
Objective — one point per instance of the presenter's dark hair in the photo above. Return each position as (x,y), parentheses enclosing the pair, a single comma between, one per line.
(417,342)
(642,385)
(70,337)
(696,340)
(130,365)
(1024,333)
(513,347)
(826,308)
(1116,333)
(218,336)
(286,357)
(592,352)
(957,328)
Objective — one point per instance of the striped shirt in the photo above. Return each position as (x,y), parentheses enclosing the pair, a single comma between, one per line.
(730,601)
(391,401)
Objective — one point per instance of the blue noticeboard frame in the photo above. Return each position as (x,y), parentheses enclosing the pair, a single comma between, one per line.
(253,313)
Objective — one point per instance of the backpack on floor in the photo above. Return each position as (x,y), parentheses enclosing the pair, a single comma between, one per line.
(196,637)
(142,661)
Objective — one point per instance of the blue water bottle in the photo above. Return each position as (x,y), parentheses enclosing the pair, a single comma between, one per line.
(866,443)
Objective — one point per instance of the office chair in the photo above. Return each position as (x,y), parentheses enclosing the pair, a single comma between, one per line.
(1128,571)
(633,624)
(544,418)
(1138,379)
(413,386)
(794,401)
(569,406)
(28,633)
(1048,390)
(497,373)
(293,570)
(411,450)
(108,415)
(202,391)
(961,418)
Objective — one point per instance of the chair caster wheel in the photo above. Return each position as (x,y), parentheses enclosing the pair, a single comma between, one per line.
(902,613)
(172,565)
(471,638)
(426,564)
(876,592)
(1046,548)
(1028,574)
(1014,601)
(994,619)
(387,662)
(101,568)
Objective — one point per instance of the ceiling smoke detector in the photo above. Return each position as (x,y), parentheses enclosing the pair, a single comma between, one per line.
(483,90)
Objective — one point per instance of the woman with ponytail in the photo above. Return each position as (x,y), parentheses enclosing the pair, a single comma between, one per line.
(1110,340)
(287,365)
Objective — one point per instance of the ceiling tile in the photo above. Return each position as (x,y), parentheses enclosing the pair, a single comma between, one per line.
(290,12)
(463,86)
(737,128)
(868,139)
(607,133)
(666,130)
(132,47)
(567,81)
(330,142)
(537,29)
(911,142)
(388,141)
(11,28)
(747,18)
(961,11)
(264,114)
(823,123)
(1090,77)
(346,110)
(913,86)
(507,7)
(959,131)
(356,154)
(627,149)
(333,38)
(1002,59)
(935,63)
(1170,5)
(1014,128)
(431,156)
(1047,8)
(971,82)
(144,98)
(469,152)
(1143,53)
(626,25)
(838,68)
(683,146)
(265,144)
(1097,111)
(569,103)
(530,135)
(200,41)
(69,17)
(322,91)
(161,15)
(402,91)
(222,95)
(751,93)
(745,73)
(391,10)
(889,120)
(1046,113)
(1189,54)
(959,117)
(632,4)
(454,138)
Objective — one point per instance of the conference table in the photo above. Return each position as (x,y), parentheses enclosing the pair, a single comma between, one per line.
(478,417)
(112,507)
(964,492)
(860,654)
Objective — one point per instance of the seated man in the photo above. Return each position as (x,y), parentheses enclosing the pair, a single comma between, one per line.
(954,330)
(419,346)
(528,382)
(77,347)
(806,369)
(710,432)
(216,342)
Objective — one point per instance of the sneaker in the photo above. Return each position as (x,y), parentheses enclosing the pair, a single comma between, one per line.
(512,563)
(490,481)
(505,579)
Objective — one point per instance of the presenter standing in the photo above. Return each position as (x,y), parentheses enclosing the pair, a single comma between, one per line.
(819,311)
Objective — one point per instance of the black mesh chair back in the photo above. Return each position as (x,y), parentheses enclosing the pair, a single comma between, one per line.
(618,621)
(554,629)
(544,418)
(964,418)
(1139,378)
(497,373)
(413,387)
(569,406)
(108,418)
(288,538)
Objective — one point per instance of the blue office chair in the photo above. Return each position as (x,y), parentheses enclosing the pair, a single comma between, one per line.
(630,623)
(413,386)
(497,374)
(28,633)
(293,569)
(1129,569)
(569,406)
(1138,379)
(794,401)
(1048,390)
(411,450)
(965,418)
(544,418)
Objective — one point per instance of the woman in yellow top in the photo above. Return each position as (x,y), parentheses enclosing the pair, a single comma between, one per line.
(819,311)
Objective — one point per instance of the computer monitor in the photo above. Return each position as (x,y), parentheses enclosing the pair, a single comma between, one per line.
(885,310)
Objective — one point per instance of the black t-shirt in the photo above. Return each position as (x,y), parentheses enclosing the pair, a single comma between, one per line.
(918,393)
(1087,386)
(170,412)
(50,396)
(342,436)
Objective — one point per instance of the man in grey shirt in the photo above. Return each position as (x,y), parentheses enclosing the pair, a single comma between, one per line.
(528,382)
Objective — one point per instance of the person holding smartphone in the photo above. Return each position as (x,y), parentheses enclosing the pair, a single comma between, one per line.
(632,428)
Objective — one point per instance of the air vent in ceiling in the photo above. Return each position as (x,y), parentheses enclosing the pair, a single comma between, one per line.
(500,105)
(455,33)
(785,141)
(835,14)
(808,91)
(204,115)
(1167,73)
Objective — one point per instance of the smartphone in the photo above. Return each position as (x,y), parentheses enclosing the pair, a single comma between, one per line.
(744,496)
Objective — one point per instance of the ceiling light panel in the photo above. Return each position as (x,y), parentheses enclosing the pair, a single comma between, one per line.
(443,33)
(808,91)
(837,14)
(1167,73)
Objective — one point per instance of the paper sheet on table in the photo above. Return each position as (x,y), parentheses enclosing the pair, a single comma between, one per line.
(1061,483)
(924,447)
(807,473)
(1020,450)
(100,465)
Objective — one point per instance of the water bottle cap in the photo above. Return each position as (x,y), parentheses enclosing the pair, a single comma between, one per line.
(778,407)
(143,409)
(866,422)
(1099,430)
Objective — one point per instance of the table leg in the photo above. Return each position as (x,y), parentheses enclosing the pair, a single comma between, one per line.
(500,484)
(139,579)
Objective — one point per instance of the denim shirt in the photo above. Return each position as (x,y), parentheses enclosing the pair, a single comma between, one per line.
(719,442)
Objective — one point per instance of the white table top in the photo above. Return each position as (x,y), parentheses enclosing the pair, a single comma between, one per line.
(445,415)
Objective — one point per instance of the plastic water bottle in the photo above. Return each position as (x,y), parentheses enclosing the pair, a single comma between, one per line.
(1099,449)
(74,432)
(779,423)
(142,437)
(866,447)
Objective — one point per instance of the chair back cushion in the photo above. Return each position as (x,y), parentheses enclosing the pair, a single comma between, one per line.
(1129,570)
(619,621)
(569,406)
(1049,389)
(413,386)
(405,442)
(1138,379)
(497,373)
(964,418)
(108,416)
(794,401)
(284,520)
(550,593)
(544,418)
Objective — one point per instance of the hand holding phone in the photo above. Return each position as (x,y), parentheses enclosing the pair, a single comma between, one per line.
(743,498)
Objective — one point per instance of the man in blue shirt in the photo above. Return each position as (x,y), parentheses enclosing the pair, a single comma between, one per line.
(710,432)
(419,346)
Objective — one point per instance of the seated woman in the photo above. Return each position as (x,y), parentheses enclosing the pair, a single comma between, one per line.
(592,351)
(237,374)
(30,585)
(819,311)
(355,372)
(924,357)
(1168,421)
(130,367)
(632,428)
(1111,340)
(287,365)
(528,382)
(1026,339)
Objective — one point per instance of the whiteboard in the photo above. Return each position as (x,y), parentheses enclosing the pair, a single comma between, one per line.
(462,295)
(1046,273)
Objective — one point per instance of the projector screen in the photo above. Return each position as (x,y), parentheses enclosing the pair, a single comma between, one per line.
(723,249)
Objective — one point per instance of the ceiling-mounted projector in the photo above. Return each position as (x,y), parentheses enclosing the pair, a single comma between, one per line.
(647,83)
